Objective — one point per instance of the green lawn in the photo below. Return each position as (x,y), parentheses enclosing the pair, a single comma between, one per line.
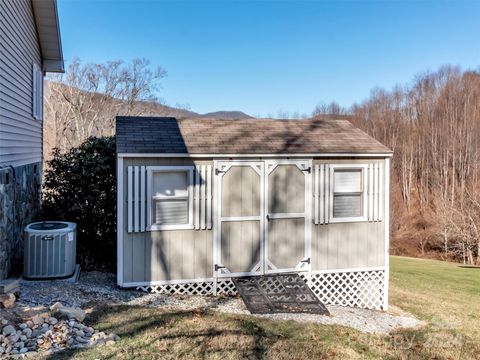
(445,295)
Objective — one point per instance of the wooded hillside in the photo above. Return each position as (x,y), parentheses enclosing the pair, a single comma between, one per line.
(433,125)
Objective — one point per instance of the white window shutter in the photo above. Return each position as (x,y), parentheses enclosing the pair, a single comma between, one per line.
(136,195)
(37,92)
(203,197)
(40,93)
(34,90)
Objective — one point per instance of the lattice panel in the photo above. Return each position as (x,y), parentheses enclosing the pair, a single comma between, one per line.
(224,287)
(363,289)
(193,288)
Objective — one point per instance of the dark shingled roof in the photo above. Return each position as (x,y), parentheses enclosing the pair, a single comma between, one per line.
(249,136)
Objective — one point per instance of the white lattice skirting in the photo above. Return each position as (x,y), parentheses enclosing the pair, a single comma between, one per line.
(205,287)
(363,289)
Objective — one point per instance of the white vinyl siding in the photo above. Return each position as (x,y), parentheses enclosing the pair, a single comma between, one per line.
(347,193)
(170,198)
(20,132)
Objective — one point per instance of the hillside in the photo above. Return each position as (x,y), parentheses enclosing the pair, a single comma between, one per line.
(71,115)
(234,115)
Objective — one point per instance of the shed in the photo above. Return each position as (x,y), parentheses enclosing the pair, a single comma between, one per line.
(201,201)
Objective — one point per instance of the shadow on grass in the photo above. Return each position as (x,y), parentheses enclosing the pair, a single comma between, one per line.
(142,330)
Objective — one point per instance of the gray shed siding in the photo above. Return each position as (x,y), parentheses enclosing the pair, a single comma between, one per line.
(188,254)
(167,254)
(351,244)
(20,133)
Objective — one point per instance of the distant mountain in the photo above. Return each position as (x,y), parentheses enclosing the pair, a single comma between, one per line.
(156,109)
(234,115)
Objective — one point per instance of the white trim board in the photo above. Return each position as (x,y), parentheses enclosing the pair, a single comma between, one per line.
(211,279)
(387,232)
(120,222)
(360,269)
(166,282)
(256,156)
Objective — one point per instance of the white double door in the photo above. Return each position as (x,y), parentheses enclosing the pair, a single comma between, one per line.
(263,219)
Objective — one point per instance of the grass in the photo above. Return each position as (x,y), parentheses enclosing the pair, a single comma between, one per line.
(445,295)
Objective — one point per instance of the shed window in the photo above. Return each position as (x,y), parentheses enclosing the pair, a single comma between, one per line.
(37,92)
(170,201)
(348,195)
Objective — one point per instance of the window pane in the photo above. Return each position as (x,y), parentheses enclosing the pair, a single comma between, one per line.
(173,183)
(170,212)
(347,181)
(347,205)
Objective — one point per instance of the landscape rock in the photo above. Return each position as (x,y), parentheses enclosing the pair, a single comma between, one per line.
(8,285)
(46,334)
(67,312)
(8,330)
(37,320)
(13,338)
(7,300)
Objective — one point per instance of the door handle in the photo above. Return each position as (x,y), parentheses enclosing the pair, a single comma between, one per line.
(268,217)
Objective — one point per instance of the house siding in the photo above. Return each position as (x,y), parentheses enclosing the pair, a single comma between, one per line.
(20,133)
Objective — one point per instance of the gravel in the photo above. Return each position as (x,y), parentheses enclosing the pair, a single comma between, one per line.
(96,287)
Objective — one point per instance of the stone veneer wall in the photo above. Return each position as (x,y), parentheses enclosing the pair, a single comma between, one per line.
(20,193)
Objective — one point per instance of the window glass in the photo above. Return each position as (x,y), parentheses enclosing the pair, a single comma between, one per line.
(170,202)
(170,184)
(348,181)
(170,212)
(347,205)
(347,193)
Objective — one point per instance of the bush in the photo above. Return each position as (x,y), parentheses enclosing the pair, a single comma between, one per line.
(80,187)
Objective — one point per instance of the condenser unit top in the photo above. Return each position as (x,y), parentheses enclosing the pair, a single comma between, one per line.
(51,227)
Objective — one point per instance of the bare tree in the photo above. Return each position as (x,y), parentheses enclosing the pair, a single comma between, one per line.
(433,126)
(84,100)
(328,109)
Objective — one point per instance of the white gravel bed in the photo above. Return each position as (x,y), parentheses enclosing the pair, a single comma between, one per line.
(369,321)
(95,287)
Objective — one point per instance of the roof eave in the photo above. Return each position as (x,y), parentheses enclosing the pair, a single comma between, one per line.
(48,29)
(380,154)
(53,66)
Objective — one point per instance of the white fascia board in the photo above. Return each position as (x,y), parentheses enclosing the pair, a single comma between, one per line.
(186,155)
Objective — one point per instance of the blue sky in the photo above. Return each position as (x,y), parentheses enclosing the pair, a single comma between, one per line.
(262,57)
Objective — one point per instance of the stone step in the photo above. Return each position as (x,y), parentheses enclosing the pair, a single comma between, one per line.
(9,286)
